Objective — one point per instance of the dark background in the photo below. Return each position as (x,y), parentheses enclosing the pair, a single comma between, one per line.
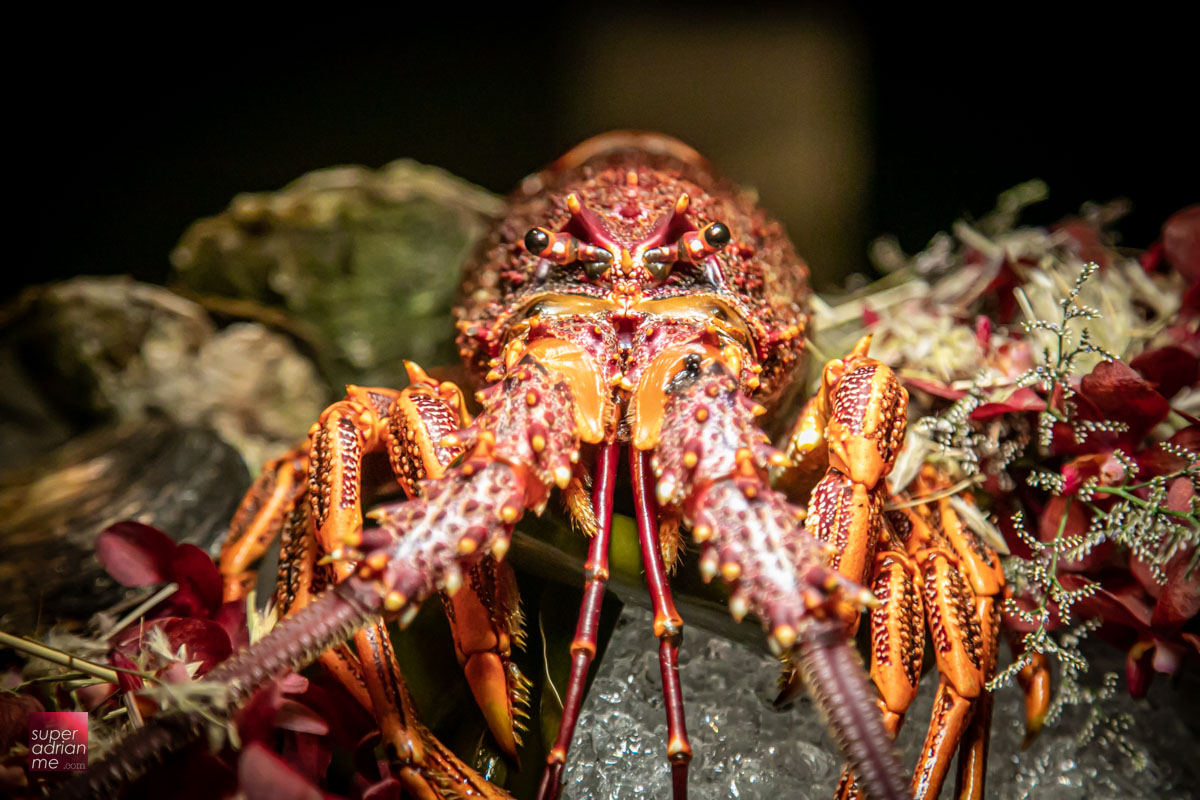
(852,121)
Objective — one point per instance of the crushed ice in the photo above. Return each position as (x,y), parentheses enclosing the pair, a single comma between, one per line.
(746,749)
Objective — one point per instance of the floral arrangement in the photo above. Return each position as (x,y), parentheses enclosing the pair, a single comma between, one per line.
(155,656)
(1057,376)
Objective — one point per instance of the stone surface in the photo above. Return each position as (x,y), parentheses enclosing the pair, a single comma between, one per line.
(186,481)
(363,263)
(96,350)
(746,749)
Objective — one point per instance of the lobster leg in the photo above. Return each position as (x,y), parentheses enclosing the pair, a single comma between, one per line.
(897,643)
(583,646)
(856,423)
(259,519)
(409,424)
(423,426)
(428,770)
(1034,679)
(973,752)
(960,579)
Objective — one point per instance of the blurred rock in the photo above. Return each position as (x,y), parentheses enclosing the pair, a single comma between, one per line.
(186,481)
(369,259)
(93,350)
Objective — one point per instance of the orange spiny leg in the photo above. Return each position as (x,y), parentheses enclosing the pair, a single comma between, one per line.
(485,620)
(958,648)
(973,753)
(1034,679)
(426,426)
(897,642)
(346,432)
(806,451)
(300,580)
(711,460)
(960,615)
(583,646)
(300,577)
(419,421)
(426,768)
(962,580)
(259,519)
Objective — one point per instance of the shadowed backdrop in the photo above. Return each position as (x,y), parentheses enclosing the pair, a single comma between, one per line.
(850,121)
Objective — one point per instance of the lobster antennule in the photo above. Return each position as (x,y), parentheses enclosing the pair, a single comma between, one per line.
(583,646)
(834,675)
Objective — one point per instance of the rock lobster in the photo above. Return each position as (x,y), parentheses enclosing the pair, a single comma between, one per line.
(630,302)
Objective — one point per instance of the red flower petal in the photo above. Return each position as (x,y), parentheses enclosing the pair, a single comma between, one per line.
(1118,393)
(175,672)
(1089,241)
(1023,399)
(1179,600)
(135,554)
(92,697)
(14,718)
(1181,241)
(127,682)
(1051,518)
(983,333)
(1156,461)
(262,775)
(1013,622)
(1138,671)
(255,721)
(1152,258)
(1191,297)
(293,716)
(348,721)
(1168,657)
(199,581)
(1118,601)
(204,640)
(232,617)
(1140,570)
(308,754)
(934,388)
(1170,368)
(1180,494)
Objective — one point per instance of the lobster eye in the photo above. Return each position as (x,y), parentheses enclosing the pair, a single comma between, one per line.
(537,240)
(717,235)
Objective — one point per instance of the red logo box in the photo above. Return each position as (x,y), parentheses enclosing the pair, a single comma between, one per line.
(58,741)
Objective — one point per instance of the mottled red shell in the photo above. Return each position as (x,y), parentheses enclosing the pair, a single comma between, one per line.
(630,182)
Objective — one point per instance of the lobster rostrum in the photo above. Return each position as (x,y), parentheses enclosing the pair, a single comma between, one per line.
(630,302)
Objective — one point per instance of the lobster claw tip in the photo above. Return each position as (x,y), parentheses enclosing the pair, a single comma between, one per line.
(489,683)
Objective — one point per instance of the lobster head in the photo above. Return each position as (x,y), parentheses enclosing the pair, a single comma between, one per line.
(639,222)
